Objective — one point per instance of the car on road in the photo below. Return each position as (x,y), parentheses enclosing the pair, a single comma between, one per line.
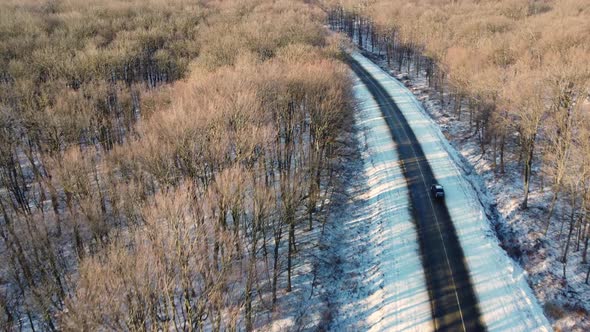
(437,191)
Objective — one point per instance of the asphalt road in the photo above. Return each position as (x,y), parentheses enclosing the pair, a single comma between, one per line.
(453,302)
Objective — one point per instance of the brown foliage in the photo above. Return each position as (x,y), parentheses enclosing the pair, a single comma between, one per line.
(162,206)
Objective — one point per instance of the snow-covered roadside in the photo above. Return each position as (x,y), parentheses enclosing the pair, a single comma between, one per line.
(567,301)
(366,274)
(506,301)
(399,298)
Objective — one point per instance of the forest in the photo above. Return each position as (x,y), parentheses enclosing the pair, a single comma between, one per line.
(519,72)
(158,157)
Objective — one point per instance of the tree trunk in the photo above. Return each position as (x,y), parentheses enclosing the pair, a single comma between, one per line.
(494,153)
(275,265)
(569,236)
(360,32)
(552,208)
(290,254)
(528,165)
(250,280)
(502,145)
(585,252)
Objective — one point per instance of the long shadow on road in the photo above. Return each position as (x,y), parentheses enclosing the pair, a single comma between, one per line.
(453,301)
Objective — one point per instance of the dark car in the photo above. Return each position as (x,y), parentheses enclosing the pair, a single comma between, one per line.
(437,191)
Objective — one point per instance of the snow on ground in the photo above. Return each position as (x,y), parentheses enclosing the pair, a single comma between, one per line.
(566,301)
(506,301)
(400,300)
(366,275)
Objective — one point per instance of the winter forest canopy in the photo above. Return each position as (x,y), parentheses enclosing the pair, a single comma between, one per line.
(158,157)
(522,66)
